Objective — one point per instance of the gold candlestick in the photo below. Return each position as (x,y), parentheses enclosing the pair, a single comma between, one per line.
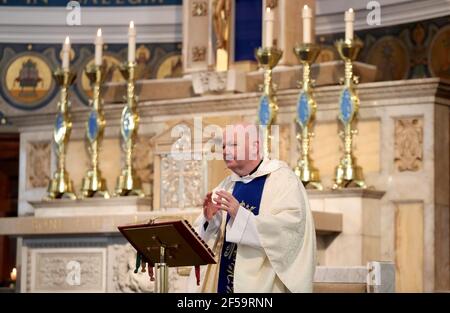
(93,183)
(306,111)
(268,58)
(128,183)
(348,173)
(61,186)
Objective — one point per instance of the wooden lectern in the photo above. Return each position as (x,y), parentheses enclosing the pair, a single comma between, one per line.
(168,243)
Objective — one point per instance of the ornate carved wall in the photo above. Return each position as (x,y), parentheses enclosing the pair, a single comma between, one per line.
(38,164)
(87,265)
(412,50)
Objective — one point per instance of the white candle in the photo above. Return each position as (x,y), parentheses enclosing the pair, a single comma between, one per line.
(349,19)
(99,48)
(132,43)
(268,40)
(307,18)
(66,54)
(13,274)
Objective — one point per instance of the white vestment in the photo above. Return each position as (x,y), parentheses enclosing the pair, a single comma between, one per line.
(276,250)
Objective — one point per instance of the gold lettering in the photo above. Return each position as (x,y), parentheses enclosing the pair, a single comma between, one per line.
(96,224)
(76,223)
(94,2)
(53,224)
(35,226)
(45,225)
(33,2)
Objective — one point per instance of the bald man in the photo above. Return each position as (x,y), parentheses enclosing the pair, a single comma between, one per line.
(258,223)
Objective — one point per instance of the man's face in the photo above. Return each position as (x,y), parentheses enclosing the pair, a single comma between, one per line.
(239,148)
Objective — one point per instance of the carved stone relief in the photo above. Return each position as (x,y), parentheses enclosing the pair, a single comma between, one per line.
(125,280)
(408,144)
(199,8)
(209,82)
(198,54)
(38,164)
(66,270)
(143,160)
(182,182)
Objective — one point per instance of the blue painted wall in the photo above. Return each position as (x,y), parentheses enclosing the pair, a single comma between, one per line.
(248,29)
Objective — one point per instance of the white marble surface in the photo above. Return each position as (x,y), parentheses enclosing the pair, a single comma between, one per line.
(341,274)
(361,212)
(90,206)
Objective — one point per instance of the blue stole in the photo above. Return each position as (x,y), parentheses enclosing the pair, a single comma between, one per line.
(249,196)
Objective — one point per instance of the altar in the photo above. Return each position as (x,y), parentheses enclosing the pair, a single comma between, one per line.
(75,246)
(367,224)
(370,147)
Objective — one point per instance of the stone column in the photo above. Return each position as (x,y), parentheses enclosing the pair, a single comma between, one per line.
(195,35)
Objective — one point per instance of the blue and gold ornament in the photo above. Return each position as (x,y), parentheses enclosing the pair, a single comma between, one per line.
(93,183)
(348,173)
(128,183)
(267,58)
(60,185)
(305,117)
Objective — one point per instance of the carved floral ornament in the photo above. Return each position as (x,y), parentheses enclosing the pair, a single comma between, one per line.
(271,4)
(198,54)
(182,182)
(125,280)
(38,164)
(200,8)
(205,82)
(143,158)
(60,268)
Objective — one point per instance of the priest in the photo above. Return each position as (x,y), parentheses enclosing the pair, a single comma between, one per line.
(258,223)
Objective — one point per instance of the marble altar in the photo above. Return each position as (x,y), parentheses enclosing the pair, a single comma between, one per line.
(402,146)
